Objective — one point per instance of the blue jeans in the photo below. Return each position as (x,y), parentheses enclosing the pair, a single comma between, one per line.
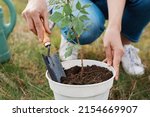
(136,16)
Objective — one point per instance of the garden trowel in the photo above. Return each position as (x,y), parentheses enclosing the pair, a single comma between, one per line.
(53,63)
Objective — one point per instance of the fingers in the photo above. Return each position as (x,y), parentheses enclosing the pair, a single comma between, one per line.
(113,56)
(35,24)
(116,61)
(31,25)
(109,56)
(46,23)
(29,21)
(39,27)
(105,60)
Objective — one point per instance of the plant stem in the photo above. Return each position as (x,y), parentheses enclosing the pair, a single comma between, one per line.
(77,37)
(81,54)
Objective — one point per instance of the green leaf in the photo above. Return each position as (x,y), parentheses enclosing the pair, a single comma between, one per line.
(68,51)
(83,18)
(71,36)
(86,6)
(57,7)
(65,22)
(83,11)
(67,9)
(78,26)
(78,5)
(56,17)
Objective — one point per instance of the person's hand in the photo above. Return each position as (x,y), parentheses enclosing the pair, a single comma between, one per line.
(36,16)
(113,48)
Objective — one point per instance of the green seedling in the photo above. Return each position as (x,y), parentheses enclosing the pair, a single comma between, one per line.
(64,15)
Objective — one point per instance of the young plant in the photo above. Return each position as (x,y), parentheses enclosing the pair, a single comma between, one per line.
(73,17)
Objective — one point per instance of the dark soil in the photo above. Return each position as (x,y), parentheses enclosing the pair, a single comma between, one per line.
(91,75)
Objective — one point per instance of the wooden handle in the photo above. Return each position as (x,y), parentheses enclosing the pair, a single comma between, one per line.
(46,40)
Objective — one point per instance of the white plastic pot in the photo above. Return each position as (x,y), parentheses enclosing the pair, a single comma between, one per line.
(99,91)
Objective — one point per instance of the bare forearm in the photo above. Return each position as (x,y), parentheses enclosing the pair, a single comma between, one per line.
(116,9)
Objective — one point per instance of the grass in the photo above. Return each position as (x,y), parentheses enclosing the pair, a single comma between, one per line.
(23,77)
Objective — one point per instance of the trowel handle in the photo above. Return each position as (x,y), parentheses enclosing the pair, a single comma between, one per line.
(46,40)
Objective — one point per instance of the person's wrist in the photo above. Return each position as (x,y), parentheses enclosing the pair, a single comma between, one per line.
(114,26)
(113,29)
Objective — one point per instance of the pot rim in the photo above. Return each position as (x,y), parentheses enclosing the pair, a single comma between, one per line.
(88,85)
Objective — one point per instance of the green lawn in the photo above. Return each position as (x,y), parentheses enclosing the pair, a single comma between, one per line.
(23,77)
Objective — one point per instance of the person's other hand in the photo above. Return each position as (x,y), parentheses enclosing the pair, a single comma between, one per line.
(36,16)
(113,48)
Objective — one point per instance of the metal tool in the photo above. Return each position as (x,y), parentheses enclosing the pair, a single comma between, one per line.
(53,63)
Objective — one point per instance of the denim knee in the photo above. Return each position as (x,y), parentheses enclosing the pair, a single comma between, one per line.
(136,17)
(95,27)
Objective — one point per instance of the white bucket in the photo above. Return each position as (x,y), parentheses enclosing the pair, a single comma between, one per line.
(99,91)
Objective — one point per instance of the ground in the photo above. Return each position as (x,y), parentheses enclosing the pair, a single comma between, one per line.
(23,77)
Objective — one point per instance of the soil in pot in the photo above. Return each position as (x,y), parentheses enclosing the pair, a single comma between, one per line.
(91,75)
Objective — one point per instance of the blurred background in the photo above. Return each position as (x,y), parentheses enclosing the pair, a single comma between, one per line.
(23,77)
